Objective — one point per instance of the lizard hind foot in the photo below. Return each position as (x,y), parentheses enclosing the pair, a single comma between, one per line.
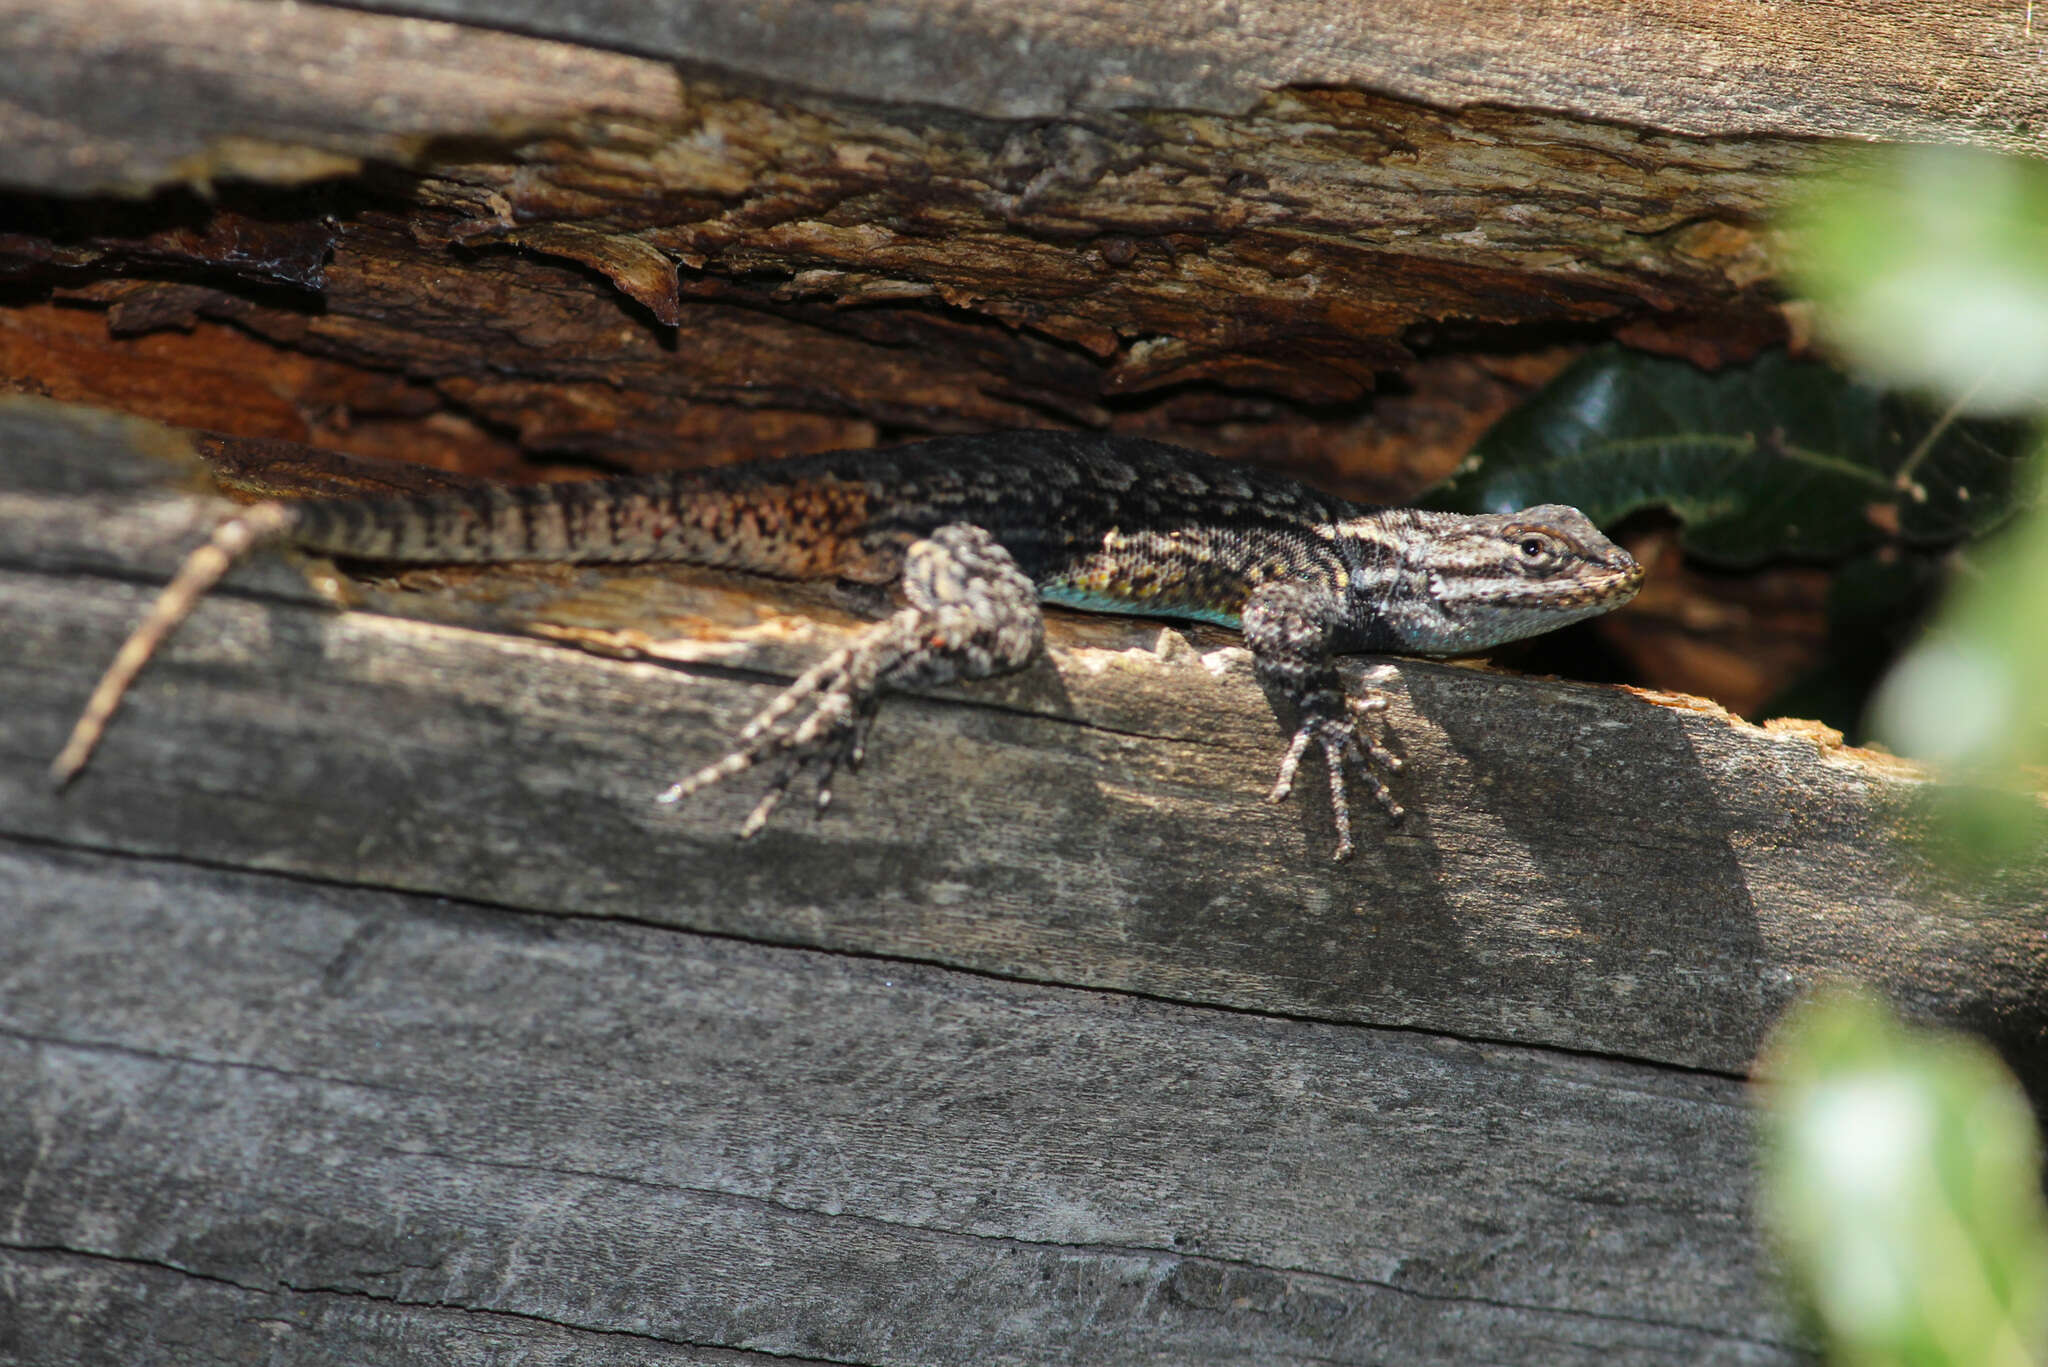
(972,614)
(818,723)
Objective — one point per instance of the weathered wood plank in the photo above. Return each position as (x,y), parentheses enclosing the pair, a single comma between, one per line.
(130,96)
(1585,868)
(85,1311)
(1961,70)
(286,1087)
(279,102)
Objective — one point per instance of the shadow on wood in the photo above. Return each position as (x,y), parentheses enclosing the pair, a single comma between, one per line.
(361,977)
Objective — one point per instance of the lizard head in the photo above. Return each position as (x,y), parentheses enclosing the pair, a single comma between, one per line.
(1471,582)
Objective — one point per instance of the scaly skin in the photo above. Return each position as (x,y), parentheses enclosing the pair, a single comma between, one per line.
(977,531)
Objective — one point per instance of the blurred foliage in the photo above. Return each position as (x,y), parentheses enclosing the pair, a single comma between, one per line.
(1902,1172)
(1902,1184)
(1928,267)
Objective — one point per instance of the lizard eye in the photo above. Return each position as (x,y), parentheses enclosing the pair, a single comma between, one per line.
(1536,550)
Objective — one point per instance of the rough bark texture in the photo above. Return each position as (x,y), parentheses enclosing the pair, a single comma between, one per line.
(360,1005)
(361,972)
(846,265)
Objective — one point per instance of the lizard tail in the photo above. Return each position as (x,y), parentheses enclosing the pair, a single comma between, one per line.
(794,523)
(781,519)
(202,569)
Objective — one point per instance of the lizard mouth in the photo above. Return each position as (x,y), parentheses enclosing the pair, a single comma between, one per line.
(1616,585)
(1625,575)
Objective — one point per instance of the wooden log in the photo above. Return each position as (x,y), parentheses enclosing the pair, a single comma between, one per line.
(291,1092)
(1585,868)
(361,978)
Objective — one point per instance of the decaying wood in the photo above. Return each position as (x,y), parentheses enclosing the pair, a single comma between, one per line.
(361,975)
(361,1004)
(1218,278)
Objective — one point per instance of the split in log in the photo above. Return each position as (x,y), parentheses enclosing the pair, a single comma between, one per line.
(360,1003)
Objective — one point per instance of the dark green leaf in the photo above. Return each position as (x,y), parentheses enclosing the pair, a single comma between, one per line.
(1777,458)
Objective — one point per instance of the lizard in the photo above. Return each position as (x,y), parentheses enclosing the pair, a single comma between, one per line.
(974,533)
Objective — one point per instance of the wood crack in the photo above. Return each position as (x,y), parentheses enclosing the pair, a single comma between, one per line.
(353,1293)
(575,916)
(1112,1249)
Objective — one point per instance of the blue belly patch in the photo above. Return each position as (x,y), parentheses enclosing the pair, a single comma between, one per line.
(1103,602)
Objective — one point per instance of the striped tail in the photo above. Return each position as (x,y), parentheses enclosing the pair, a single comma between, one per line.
(230,542)
(738,518)
(810,526)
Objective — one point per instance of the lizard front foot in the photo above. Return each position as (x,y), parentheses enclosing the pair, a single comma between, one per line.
(1344,741)
(1289,626)
(972,613)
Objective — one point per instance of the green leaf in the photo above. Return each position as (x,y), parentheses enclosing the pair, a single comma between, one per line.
(1930,269)
(1902,1183)
(1778,458)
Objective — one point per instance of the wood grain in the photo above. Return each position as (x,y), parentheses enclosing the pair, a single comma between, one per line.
(1959,71)
(304,1091)
(360,978)
(1897,70)
(129,95)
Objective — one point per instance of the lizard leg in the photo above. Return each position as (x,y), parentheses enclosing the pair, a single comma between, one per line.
(1288,627)
(972,614)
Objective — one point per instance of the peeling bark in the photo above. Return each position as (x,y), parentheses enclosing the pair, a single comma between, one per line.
(360,1004)
(730,258)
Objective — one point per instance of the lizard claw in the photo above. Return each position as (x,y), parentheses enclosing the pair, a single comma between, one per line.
(1345,743)
(1290,627)
(972,613)
(770,800)
(837,702)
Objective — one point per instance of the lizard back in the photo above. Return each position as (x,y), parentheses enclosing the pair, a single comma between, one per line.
(1111,523)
